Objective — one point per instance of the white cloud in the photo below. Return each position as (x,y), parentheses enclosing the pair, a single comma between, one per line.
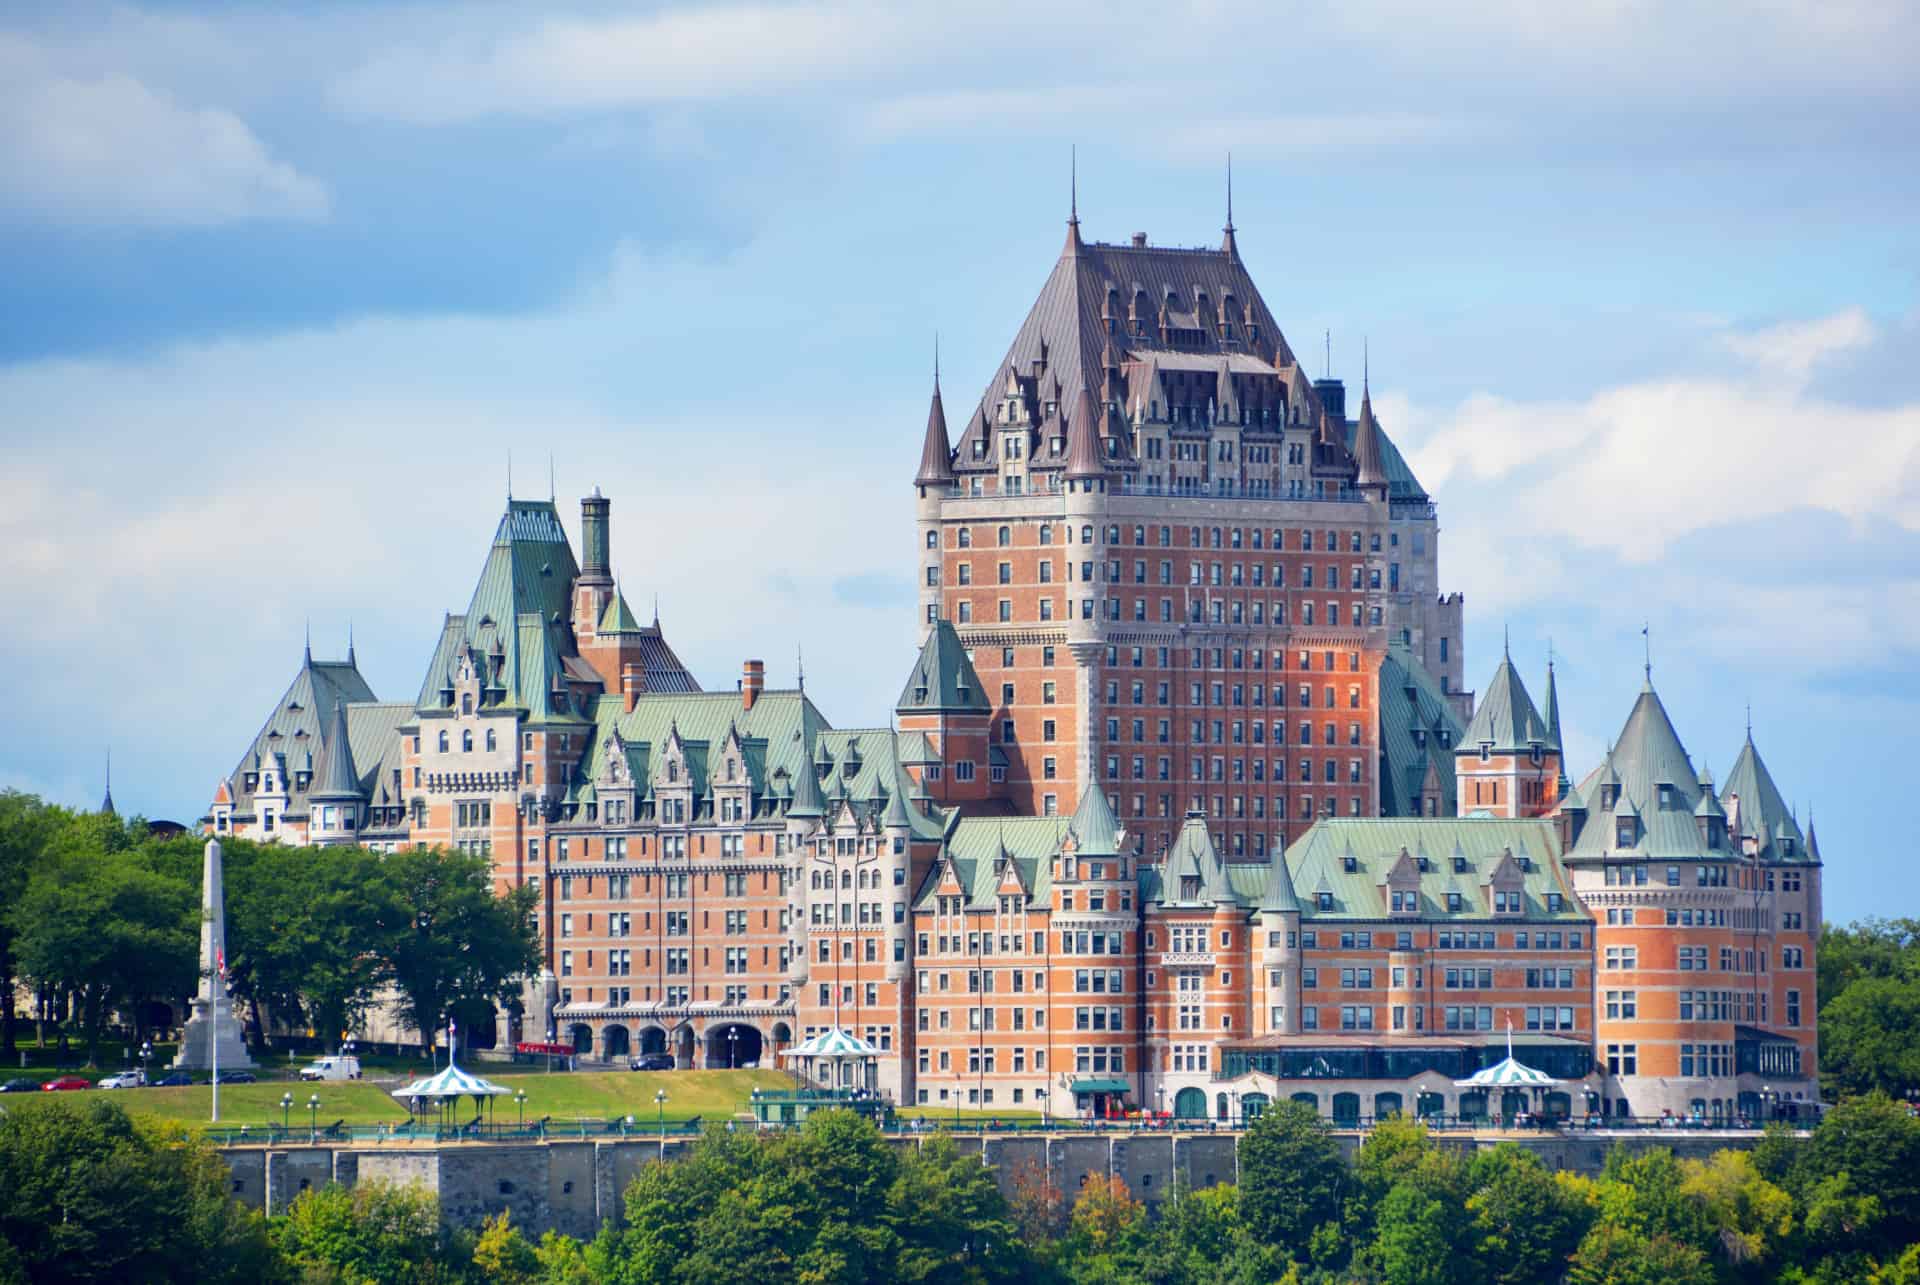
(1632,469)
(1794,348)
(106,147)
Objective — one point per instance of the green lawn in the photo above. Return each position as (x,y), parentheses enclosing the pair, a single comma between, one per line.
(712,1095)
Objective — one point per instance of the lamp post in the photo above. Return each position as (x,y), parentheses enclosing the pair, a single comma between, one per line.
(520,1105)
(1160,1096)
(625,1126)
(660,1110)
(313,1118)
(1046,1121)
(733,1045)
(286,1105)
(146,1055)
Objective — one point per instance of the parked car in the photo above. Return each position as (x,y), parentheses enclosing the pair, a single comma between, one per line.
(177,1080)
(340,1067)
(61,1084)
(20,1085)
(652,1062)
(124,1080)
(237,1077)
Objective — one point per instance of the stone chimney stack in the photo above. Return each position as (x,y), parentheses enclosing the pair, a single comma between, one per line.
(753,680)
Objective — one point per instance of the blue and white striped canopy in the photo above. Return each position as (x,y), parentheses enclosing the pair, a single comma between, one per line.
(1507,1074)
(450,1083)
(835,1043)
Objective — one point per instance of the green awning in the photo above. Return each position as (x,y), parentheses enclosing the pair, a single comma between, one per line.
(1100,1086)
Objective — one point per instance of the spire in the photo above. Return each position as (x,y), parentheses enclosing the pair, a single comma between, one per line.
(307,655)
(350,659)
(1227,247)
(936,454)
(1553,704)
(800,667)
(1095,831)
(1366,440)
(1073,198)
(807,801)
(1083,440)
(1646,641)
(106,804)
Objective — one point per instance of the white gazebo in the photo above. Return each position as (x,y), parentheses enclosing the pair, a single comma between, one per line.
(840,1053)
(447,1087)
(1509,1075)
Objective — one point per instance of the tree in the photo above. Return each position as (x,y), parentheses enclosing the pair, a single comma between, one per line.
(1417,1237)
(374,1233)
(1751,1216)
(952,1222)
(113,932)
(26,824)
(1641,1191)
(87,1194)
(1615,1255)
(1876,1145)
(445,938)
(1526,1222)
(1292,1175)
(1870,1035)
(1106,1233)
(502,1255)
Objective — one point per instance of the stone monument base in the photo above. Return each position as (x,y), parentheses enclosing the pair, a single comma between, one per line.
(204,1031)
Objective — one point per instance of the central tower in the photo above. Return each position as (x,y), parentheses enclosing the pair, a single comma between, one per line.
(1174,562)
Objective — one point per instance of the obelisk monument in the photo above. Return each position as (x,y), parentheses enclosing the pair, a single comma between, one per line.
(212,1030)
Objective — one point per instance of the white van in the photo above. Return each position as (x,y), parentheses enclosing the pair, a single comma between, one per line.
(341,1067)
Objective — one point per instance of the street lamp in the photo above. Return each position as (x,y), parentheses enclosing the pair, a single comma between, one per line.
(1160,1096)
(520,1104)
(659,1110)
(733,1043)
(1045,1119)
(626,1125)
(146,1055)
(313,1118)
(286,1105)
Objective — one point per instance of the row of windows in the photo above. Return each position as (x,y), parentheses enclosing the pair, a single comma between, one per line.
(1212,575)
(1198,612)
(1197,537)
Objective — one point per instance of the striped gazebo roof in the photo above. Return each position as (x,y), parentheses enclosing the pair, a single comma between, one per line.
(834,1043)
(450,1083)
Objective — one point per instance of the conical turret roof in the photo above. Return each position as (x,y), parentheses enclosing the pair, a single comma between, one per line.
(1366,446)
(335,777)
(1506,718)
(1083,439)
(943,680)
(807,800)
(1763,810)
(1095,832)
(936,455)
(618,618)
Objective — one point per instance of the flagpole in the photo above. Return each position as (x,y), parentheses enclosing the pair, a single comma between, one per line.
(213,1026)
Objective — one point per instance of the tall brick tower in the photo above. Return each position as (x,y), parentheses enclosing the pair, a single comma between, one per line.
(1176,565)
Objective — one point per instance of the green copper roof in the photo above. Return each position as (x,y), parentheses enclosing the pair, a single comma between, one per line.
(1413,714)
(943,680)
(1763,812)
(293,731)
(618,617)
(1646,778)
(1553,709)
(1277,894)
(1506,718)
(1095,832)
(1318,862)
(975,846)
(1191,874)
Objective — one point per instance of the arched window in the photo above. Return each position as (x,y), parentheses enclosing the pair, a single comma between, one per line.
(846,881)
(492,744)
(466,742)
(966,538)
(466,702)
(443,742)
(673,771)
(1005,536)
(1046,533)
(1086,534)
(933,539)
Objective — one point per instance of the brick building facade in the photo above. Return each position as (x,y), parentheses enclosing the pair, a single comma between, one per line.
(1182,803)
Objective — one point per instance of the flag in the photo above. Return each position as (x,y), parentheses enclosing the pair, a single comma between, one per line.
(220,962)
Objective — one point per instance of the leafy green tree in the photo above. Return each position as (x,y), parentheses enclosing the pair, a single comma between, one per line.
(374,1233)
(953,1223)
(1870,1035)
(102,925)
(444,938)
(1525,1221)
(1418,1236)
(1106,1233)
(1752,1217)
(1292,1175)
(502,1255)
(1612,1254)
(1876,1144)
(1869,948)
(1199,1239)
(26,825)
(1641,1192)
(88,1194)
(1397,1148)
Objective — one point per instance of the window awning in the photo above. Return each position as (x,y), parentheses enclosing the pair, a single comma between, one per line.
(1100,1086)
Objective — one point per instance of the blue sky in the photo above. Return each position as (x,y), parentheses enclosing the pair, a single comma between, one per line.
(284,289)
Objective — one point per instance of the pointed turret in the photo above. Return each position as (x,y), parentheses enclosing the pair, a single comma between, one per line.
(1553,707)
(618,618)
(106,804)
(334,777)
(1763,809)
(1506,720)
(943,678)
(1095,831)
(1366,445)
(1227,246)
(1278,894)
(1074,244)
(936,455)
(1083,440)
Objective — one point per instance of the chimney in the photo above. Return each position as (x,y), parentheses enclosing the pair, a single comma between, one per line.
(633,681)
(753,678)
(594,559)
(1139,240)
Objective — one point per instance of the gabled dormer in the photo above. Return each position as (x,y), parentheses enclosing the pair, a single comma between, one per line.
(673,783)
(1506,886)
(1400,887)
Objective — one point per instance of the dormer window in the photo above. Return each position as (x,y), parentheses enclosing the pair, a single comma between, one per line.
(1555,903)
(1460,866)
(1486,751)
(1624,836)
(1324,901)
(1453,903)
(1534,753)
(1349,864)
(1189,887)
(1666,795)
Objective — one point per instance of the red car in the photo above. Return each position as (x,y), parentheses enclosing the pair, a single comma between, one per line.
(66,1082)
